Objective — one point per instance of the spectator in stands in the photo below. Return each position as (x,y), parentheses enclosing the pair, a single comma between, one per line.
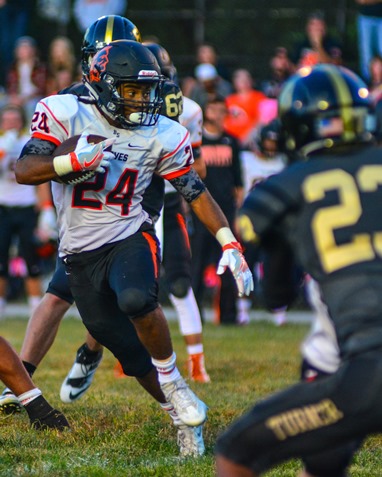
(14,17)
(369,24)
(220,153)
(19,208)
(86,12)
(206,53)
(317,46)
(27,77)
(281,67)
(375,82)
(208,85)
(243,106)
(62,64)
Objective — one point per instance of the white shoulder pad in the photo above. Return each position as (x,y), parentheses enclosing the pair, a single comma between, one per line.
(65,106)
(190,109)
(171,133)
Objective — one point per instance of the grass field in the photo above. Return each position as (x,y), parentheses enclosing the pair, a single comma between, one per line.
(119,431)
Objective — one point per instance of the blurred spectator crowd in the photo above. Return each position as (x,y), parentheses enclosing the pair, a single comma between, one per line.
(238,106)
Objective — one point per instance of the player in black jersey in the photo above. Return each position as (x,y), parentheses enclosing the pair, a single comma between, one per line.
(325,208)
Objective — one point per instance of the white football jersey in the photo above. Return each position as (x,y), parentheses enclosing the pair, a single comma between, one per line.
(108,208)
(13,194)
(192,119)
(255,169)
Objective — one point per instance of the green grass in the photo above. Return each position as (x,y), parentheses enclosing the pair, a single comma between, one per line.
(118,430)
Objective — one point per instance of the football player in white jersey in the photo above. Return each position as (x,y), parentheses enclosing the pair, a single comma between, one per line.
(107,240)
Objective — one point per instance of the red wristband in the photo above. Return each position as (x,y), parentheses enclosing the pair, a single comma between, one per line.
(234,245)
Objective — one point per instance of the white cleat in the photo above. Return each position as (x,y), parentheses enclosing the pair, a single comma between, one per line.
(190,441)
(80,377)
(190,410)
(9,403)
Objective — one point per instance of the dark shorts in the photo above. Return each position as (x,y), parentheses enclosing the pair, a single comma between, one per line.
(309,417)
(59,284)
(176,247)
(114,285)
(19,222)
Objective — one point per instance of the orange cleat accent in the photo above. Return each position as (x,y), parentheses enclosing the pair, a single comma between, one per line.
(118,371)
(196,369)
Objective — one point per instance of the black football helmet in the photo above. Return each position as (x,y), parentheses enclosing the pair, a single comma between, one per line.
(164,60)
(120,62)
(103,31)
(321,107)
(271,131)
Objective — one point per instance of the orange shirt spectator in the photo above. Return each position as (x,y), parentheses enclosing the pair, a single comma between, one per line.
(243,106)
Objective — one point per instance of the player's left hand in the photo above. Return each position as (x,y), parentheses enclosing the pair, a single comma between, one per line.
(234,260)
(47,224)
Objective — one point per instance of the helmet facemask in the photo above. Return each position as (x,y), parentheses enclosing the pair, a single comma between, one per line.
(128,113)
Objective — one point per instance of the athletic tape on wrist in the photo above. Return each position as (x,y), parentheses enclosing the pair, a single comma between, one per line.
(62,165)
(225,236)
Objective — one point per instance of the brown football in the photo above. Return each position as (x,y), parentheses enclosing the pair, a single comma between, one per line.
(69,146)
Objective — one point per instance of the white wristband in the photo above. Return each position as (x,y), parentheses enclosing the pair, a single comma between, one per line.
(225,236)
(62,165)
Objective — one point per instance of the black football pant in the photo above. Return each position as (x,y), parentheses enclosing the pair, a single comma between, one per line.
(113,285)
(310,417)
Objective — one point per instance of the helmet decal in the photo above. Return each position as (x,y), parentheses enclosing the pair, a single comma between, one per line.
(102,61)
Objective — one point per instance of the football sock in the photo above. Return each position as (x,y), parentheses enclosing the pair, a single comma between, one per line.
(195,349)
(3,303)
(190,322)
(169,408)
(167,370)
(42,415)
(31,368)
(29,396)
(33,302)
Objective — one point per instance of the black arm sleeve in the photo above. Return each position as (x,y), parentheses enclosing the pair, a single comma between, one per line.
(189,185)
(37,146)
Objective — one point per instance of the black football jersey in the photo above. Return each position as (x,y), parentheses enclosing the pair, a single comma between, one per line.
(329,210)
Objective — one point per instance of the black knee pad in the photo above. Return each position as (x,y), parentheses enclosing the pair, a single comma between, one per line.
(136,366)
(179,287)
(132,300)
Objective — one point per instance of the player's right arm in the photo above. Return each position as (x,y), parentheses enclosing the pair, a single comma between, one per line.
(50,126)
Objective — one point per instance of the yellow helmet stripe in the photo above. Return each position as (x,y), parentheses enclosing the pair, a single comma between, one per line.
(109,29)
(345,101)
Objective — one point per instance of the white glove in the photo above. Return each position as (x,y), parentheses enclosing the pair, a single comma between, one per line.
(234,260)
(86,156)
(47,224)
